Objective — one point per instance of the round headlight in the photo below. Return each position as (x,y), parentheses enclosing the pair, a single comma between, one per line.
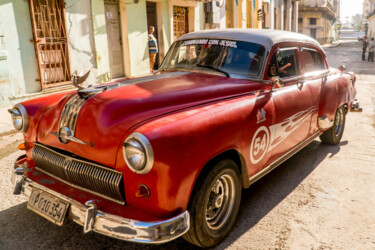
(19,117)
(138,153)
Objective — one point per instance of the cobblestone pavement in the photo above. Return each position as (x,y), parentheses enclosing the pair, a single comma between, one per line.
(321,198)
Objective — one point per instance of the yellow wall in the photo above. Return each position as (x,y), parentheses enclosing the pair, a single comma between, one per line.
(249,14)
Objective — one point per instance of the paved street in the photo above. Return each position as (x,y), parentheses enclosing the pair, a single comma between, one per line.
(322,198)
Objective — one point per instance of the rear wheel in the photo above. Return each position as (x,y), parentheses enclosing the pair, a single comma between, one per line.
(214,205)
(334,134)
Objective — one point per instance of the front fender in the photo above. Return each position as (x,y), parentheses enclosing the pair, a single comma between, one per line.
(183,143)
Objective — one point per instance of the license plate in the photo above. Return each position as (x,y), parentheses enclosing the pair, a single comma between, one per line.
(48,206)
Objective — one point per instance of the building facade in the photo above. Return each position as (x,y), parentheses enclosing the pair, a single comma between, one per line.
(318,18)
(44,42)
(370,21)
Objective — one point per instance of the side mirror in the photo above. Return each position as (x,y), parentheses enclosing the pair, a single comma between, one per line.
(276,83)
(342,68)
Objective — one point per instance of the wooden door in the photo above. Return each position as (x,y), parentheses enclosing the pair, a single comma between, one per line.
(114,38)
(50,40)
(180,21)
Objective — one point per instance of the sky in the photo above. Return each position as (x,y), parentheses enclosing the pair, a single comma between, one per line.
(350,8)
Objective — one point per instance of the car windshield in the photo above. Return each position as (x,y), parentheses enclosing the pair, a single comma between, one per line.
(225,56)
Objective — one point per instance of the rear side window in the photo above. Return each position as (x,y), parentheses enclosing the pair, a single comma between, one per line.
(284,63)
(311,60)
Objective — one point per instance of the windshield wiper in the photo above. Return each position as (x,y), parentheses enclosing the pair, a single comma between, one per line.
(214,68)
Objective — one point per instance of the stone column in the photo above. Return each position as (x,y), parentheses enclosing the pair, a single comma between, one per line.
(271,14)
(288,25)
(295,15)
(280,16)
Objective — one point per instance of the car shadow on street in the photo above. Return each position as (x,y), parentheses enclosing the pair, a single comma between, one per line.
(21,227)
(264,195)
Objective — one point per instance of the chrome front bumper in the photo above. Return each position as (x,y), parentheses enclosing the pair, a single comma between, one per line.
(108,224)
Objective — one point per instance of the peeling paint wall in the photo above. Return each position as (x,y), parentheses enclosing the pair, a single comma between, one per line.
(137,37)
(18,65)
(100,40)
(81,38)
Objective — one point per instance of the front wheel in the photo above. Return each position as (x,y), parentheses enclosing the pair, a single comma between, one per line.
(214,205)
(334,134)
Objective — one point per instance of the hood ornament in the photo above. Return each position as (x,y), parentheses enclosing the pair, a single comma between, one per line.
(78,80)
(65,135)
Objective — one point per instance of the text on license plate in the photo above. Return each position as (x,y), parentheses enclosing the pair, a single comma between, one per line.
(48,206)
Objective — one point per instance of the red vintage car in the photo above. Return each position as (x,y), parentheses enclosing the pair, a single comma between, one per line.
(158,157)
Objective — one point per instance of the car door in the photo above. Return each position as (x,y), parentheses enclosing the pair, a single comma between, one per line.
(315,76)
(292,100)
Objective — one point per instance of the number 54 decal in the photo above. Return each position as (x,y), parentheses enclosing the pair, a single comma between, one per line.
(259,144)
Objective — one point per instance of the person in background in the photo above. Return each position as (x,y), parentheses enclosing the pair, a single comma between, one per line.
(371,50)
(152,47)
(364,47)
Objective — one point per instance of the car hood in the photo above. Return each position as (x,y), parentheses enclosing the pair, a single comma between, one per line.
(105,117)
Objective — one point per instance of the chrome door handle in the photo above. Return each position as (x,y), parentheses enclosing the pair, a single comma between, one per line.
(300,85)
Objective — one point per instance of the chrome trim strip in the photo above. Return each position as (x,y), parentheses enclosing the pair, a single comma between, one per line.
(87,176)
(282,158)
(118,227)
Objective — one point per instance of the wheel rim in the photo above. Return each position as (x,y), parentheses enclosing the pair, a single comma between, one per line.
(339,122)
(220,202)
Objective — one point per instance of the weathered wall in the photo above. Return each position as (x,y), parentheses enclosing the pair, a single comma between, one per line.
(18,64)
(100,40)
(136,20)
(81,38)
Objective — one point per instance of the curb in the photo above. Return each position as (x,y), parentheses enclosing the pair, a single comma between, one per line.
(332,45)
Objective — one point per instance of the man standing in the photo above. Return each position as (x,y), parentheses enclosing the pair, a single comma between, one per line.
(371,50)
(364,47)
(152,47)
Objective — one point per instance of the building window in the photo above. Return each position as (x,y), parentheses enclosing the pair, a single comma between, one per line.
(300,20)
(312,21)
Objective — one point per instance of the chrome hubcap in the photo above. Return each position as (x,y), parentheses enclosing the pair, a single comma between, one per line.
(339,122)
(220,202)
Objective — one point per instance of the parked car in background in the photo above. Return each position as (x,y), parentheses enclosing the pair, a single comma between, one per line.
(158,157)
(360,37)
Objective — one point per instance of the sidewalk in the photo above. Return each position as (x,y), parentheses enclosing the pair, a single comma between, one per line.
(6,126)
(332,45)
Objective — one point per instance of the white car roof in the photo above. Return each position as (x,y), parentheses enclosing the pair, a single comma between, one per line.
(265,37)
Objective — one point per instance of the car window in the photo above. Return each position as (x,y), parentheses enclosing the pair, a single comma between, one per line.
(233,57)
(284,63)
(311,60)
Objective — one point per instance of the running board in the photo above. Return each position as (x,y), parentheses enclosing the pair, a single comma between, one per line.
(282,159)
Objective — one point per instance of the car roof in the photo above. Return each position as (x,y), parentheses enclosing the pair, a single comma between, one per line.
(265,37)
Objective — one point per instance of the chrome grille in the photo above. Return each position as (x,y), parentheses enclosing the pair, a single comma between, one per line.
(81,174)
(70,112)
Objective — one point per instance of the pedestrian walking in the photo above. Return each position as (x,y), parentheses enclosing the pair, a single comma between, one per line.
(152,47)
(364,47)
(371,50)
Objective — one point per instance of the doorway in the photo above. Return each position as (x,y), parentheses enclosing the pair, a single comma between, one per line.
(113,27)
(152,21)
(313,33)
(180,21)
